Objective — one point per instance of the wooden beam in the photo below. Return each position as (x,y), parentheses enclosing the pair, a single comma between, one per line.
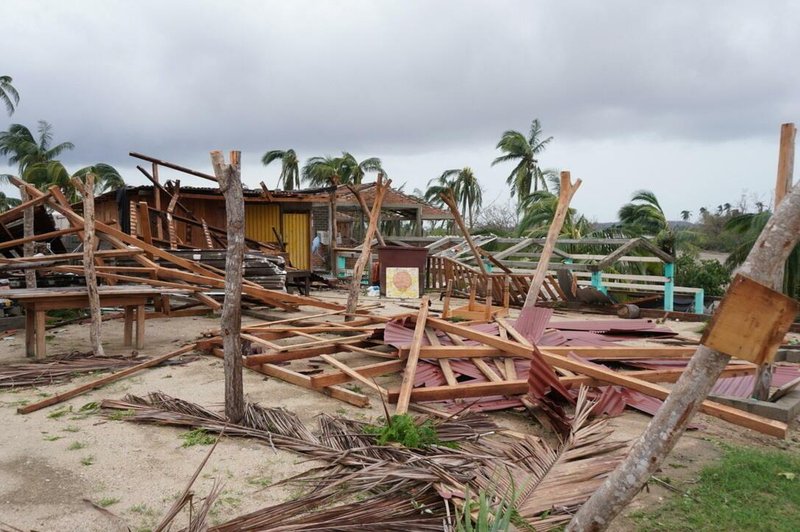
(173,166)
(371,370)
(413,358)
(19,210)
(354,374)
(506,346)
(450,200)
(602,353)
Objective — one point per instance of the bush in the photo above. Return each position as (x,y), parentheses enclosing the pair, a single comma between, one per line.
(709,275)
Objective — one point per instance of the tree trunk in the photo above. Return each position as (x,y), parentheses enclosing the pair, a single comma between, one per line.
(767,257)
(366,251)
(783,185)
(230,183)
(87,191)
(28,230)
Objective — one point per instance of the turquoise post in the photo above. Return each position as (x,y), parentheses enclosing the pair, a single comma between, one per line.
(669,286)
(597,282)
(699,300)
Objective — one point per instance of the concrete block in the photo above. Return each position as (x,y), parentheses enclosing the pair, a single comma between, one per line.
(785,409)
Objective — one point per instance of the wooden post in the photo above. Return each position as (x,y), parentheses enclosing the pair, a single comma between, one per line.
(565,194)
(230,183)
(413,358)
(450,200)
(87,191)
(173,234)
(783,185)
(28,248)
(766,258)
(157,203)
(332,235)
(365,210)
(366,250)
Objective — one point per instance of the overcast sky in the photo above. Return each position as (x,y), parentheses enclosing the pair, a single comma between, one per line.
(682,98)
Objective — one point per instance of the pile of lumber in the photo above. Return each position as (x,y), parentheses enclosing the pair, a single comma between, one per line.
(154,266)
(445,367)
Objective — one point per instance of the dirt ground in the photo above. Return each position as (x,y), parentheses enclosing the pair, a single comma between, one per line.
(53,467)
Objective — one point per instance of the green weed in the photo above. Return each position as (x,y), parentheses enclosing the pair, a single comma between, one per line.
(105,502)
(87,460)
(404,430)
(197,437)
(76,445)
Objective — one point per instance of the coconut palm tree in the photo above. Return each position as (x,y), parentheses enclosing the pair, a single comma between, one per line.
(466,189)
(523,150)
(539,209)
(8,94)
(685,215)
(6,202)
(290,167)
(327,170)
(22,148)
(45,175)
(644,216)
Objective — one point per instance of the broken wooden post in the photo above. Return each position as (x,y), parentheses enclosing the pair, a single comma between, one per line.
(783,185)
(86,189)
(230,184)
(366,250)
(413,358)
(28,248)
(172,230)
(365,210)
(450,200)
(779,237)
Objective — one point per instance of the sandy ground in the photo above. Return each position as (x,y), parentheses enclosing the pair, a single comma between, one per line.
(45,480)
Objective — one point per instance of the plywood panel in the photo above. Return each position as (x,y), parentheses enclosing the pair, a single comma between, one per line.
(297,235)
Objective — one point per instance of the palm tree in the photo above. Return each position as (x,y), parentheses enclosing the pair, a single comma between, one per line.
(644,216)
(523,150)
(20,146)
(539,209)
(6,202)
(290,167)
(36,159)
(685,215)
(327,170)
(8,94)
(466,189)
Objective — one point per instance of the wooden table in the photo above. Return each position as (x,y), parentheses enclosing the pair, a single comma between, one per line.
(39,300)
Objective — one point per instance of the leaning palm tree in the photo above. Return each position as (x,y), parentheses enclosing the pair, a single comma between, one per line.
(523,150)
(466,190)
(45,175)
(23,149)
(290,167)
(357,170)
(644,216)
(8,94)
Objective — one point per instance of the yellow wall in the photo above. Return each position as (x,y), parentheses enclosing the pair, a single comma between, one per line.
(296,231)
(297,235)
(259,221)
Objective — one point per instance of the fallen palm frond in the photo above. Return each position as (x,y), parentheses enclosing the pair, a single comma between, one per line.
(61,369)
(404,488)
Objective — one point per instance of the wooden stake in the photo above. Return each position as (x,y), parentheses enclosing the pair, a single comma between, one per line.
(230,183)
(366,211)
(366,251)
(450,200)
(413,358)
(87,190)
(173,234)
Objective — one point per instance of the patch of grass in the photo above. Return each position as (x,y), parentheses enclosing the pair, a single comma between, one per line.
(71,428)
(119,415)
(86,410)
(60,412)
(44,394)
(87,460)
(51,437)
(196,437)
(748,489)
(76,445)
(355,388)
(260,481)
(105,502)
(404,430)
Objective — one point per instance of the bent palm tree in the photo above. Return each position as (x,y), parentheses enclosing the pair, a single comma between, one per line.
(21,148)
(8,94)
(45,175)
(290,167)
(644,216)
(523,150)
(466,189)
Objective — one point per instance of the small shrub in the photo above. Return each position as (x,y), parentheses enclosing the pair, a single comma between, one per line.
(87,460)
(74,446)
(105,502)
(196,437)
(404,430)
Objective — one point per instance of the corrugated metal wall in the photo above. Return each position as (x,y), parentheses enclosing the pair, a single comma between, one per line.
(259,221)
(297,235)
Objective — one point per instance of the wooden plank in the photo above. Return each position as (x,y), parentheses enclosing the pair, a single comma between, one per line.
(726,413)
(58,398)
(413,358)
(16,212)
(601,353)
(275,357)
(520,386)
(354,374)
(38,238)
(370,370)
(506,346)
(444,364)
